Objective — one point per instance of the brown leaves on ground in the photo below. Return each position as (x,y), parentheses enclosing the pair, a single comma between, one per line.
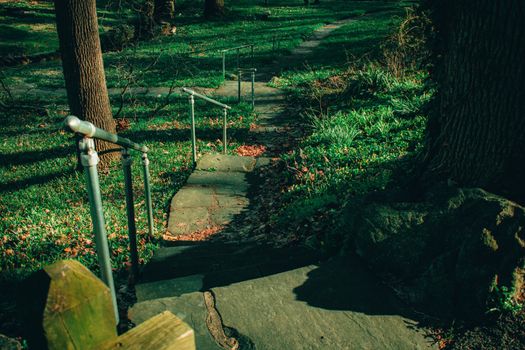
(196,236)
(251,151)
(122,124)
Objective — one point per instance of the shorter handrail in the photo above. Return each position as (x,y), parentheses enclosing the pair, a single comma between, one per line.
(239,79)
(206,98)
(191,98)
(90,130)
(237,48)
(89,159)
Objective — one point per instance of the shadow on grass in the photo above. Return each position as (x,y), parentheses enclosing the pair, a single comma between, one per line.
(16,185)
(28,157)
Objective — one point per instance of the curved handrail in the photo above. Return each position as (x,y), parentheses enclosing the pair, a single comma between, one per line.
(90,130)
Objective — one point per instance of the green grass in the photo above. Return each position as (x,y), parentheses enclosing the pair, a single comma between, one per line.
(27,28)
(191,56)
(364,126)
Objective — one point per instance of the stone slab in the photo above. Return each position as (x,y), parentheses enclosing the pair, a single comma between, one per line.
(332,306)
(194,197)
(169,288)
(221,181)
(220,162)
(188,220)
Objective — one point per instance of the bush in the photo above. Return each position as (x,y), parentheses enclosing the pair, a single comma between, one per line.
(117,38)
(406,50)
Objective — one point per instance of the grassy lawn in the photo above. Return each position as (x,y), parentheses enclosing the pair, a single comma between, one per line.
(191,56)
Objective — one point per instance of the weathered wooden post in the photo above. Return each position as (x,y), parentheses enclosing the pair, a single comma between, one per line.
(67,307)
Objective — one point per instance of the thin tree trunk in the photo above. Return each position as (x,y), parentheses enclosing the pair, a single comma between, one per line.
(164,10)
(213,8)
(83,68)
(477,136)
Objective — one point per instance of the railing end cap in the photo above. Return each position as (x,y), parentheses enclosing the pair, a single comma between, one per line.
(72,122)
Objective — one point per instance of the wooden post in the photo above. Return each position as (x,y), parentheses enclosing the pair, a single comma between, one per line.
(68,307)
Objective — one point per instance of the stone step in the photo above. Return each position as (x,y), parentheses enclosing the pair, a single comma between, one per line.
(337,304)
(228,163)
(224,182)
(186,273)
(201,282)
(182,260)
(215,193)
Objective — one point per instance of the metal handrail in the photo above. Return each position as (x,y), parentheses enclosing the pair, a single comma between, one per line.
(191,99)
(89,159)
(206,98)
(90,130)
(239,79)
(237,48)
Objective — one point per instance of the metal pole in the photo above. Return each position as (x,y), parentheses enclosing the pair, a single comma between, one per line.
(224,65)
(239,75)
(130,210)
(253,89)
(147,192)
(238,58)
(193,140)
(89,159)
(224,137)
(252,57)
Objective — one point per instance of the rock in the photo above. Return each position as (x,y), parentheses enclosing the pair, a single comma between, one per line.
(450,249)
(7,343)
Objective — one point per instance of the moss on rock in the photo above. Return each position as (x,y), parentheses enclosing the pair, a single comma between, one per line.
(448,250)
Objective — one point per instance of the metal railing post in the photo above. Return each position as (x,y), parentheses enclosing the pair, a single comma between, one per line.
(239,76)
(224,137)
(130,210)
(147,192)
(223,64)
(89,159)
(253,89)
(193,139)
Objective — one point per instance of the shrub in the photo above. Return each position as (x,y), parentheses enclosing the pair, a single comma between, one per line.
(407,48)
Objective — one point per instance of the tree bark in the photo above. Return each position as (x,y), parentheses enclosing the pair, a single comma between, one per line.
(83,68)
(164,10)
(213,8)
(476,137)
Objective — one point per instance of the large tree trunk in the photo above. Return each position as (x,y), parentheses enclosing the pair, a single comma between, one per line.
(164,10)
(83,68)
(213,8)
(477,135)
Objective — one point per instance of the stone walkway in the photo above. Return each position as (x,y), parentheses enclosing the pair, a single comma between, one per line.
(267,297)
